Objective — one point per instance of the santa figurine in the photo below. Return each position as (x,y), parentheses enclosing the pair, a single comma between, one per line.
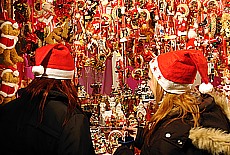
(181,20)
(96,23)
(119,111)
(191,39)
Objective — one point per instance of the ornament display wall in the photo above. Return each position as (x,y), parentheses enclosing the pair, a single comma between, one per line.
(134,30)
(124,34)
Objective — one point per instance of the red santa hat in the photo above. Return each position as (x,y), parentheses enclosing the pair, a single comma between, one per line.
(10,21)
(10,69)
(176,71)
(53,61)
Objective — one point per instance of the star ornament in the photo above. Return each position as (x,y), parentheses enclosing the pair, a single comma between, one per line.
(159,77)
(152,60)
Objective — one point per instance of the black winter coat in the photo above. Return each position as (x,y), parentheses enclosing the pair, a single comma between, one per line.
(180,138)
(21,132)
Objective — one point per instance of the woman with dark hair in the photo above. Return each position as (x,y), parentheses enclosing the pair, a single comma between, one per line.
(46,118)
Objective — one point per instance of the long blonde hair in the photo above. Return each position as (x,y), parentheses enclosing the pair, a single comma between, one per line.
(183,104)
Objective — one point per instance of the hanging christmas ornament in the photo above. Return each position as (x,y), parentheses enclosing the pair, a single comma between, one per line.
(181,19)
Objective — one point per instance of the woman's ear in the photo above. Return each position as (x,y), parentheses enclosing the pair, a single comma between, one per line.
(152,83)
(155,87)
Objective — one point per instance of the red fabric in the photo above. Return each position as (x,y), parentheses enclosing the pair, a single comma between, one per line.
(7,89)
(56,52)
(9,43)
(11,20)
(181,66)
(190,44)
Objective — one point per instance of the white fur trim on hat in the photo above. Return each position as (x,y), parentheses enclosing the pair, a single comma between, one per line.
(6,71)
(39,71)
(16,73)
(15,25)
(205,88)
(5,23)
(167,85)
(58,74)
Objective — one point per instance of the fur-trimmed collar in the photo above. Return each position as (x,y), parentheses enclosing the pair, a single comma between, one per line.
(215,141)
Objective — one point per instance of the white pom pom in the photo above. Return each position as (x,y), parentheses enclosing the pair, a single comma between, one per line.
(192,34)
(38,70)
(16,73)
(15,25)
(205,88)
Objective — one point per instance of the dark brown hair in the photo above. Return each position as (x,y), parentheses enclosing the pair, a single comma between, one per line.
(45,85)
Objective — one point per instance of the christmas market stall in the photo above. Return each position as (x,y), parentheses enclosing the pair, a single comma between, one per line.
(112,43)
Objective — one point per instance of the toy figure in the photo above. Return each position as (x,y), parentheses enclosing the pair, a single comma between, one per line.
(9,37)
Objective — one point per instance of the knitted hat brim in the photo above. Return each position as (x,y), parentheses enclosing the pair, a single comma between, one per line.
(167,85)
(55,73)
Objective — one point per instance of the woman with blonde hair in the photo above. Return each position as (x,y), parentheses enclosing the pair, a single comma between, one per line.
(189,121)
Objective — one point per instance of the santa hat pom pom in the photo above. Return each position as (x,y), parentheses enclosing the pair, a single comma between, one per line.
(38,70)
(15,25)
(16,73)
(205,88)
